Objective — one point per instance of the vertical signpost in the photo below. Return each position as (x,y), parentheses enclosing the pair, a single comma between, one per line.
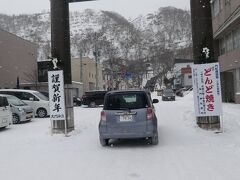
(56,97)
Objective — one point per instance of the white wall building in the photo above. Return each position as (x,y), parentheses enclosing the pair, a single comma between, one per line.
(182,73)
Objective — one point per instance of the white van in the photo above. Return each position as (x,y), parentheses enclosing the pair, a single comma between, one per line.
(35,99)
(5,113)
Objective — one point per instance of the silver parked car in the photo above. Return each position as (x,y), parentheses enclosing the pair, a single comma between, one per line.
(20,110)
(127,115)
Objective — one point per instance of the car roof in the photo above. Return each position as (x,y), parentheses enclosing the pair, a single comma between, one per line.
(97,91)
(126,91)
(18,90)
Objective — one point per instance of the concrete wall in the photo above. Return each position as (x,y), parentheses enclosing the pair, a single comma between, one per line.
(18,58)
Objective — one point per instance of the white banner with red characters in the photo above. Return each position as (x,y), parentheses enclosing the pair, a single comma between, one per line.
(207,89)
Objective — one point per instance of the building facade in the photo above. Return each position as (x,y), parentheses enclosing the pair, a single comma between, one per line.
(182,73)
(18,60)
(85,72)
(226,32)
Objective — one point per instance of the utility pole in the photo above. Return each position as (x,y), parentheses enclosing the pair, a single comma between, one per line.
(96,54)
(96,66)
(202,35)
(81,65)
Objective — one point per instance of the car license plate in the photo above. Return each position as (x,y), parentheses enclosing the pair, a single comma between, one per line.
(126,118)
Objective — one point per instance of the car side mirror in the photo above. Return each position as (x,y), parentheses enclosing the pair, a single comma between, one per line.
(31,99)
(155,101)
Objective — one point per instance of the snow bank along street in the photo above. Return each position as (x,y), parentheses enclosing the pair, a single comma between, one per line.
(185,152)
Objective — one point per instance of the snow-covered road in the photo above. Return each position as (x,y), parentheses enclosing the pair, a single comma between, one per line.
(185,152)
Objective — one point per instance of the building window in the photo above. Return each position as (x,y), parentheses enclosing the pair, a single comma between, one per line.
(222,47)
(229,44)
(227,2)
(216,7)
(236,38)
(238,79)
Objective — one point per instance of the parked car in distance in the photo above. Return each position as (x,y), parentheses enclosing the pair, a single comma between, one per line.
(20,110)
(179,92)
(159,92)
(128,115)
(93,98)
(5,113)
(35,99)
(168,95)
(77,101)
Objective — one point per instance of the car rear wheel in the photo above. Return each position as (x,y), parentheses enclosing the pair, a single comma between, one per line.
(15,119)
(41,113)
(154,140)
(104,142)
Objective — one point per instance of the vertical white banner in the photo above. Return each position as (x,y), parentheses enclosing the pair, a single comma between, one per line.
(56,95)
(207,89)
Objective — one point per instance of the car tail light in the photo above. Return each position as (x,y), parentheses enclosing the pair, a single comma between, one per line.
(149,113)
(103,116)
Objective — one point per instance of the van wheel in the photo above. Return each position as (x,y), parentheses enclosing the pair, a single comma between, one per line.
(41,112)
(92,104)
(15,119)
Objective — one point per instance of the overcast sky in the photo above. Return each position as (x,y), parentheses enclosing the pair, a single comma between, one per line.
(127,8)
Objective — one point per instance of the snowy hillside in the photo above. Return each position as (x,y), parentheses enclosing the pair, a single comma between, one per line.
(153,28)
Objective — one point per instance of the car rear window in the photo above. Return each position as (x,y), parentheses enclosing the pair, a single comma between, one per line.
(121,101)
(168,91)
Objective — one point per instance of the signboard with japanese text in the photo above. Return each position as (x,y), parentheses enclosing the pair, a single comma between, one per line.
(207,89)
(56,95)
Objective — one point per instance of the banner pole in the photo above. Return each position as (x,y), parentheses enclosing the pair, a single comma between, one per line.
(51,127)
(221,118)
(65,121)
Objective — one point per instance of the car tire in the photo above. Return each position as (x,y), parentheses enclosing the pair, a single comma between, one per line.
(15,119)
(154,140)
(103,142)
(41,113)
(92,104)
